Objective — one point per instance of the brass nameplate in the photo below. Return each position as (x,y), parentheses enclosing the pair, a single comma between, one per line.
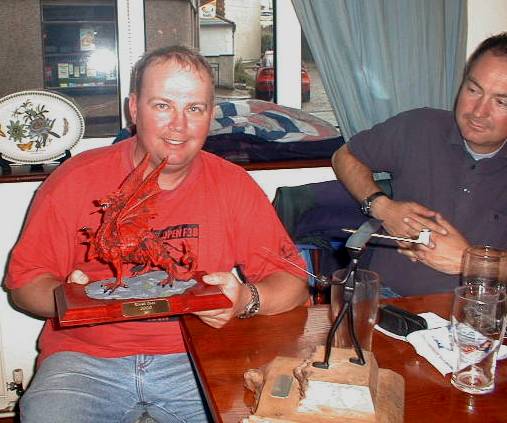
(142,308)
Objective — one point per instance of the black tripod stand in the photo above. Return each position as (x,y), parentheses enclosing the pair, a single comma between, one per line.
(356,244)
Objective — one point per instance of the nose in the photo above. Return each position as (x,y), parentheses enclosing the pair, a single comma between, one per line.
(178,121)
(481,107)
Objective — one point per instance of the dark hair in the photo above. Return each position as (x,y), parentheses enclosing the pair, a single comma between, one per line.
(497,44)
(184,56)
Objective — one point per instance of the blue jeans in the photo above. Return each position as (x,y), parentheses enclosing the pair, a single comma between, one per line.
(78,388)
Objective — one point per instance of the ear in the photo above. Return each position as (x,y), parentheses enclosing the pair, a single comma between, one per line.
(133,107)
(213,112)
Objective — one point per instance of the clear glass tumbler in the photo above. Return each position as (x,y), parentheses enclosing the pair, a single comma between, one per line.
(478,322)
(482,265)
(364,307)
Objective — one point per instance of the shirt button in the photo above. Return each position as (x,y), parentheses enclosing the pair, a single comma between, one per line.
(472,167)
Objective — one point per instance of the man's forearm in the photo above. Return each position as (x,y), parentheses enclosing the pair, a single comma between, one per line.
(355,175)
(37,297)
(280,292)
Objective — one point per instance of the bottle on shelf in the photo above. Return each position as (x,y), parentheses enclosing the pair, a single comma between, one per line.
(74,76)
(48,75)
(63,75)
(91,76)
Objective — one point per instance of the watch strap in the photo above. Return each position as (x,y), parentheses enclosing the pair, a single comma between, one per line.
(368,201)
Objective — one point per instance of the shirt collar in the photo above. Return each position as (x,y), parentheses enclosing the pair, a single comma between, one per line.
(479,156)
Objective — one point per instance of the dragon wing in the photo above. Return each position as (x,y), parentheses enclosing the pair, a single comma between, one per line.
(138,196)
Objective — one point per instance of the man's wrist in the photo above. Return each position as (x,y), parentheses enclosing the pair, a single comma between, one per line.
(378,205)
(253,305)
(367,203)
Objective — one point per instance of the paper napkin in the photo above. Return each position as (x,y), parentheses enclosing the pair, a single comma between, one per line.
(435,343)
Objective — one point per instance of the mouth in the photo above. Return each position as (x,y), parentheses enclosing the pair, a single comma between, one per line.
(173,142)
(477,126)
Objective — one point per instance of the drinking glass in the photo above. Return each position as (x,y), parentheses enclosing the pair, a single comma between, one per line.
(364,307)
(477,324)
(482,266)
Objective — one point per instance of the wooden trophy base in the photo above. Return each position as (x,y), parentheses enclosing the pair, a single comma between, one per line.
(76,308)
(293,390)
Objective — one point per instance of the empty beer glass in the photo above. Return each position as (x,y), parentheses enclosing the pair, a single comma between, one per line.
(478,321)
(482,265)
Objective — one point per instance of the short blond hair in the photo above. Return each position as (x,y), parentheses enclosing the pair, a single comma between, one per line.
(184,56)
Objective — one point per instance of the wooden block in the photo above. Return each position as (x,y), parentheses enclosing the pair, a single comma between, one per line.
(385,390)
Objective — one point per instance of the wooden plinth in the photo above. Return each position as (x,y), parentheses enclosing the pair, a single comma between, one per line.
(76,308)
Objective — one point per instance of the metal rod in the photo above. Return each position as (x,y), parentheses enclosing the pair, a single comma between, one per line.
(323,280)
(396,238)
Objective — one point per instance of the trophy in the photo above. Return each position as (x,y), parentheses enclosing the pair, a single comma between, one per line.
(124,237)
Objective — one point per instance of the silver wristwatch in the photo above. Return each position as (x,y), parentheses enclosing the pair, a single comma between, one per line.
(254,305)
(368,201)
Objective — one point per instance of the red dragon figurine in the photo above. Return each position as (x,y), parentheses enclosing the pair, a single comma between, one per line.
(125,237)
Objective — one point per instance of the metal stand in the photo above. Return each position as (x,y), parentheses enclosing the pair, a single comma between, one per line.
(348,295)
(356,244)
(6,166)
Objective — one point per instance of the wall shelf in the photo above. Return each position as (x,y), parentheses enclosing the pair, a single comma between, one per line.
(25,174)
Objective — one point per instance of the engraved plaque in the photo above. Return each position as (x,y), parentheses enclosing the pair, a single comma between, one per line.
(143,308)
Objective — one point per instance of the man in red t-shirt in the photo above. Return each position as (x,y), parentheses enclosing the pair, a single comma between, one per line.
(120,371)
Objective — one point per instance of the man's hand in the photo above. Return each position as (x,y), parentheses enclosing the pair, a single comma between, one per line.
(232,289)
(445,251)
(77,276)
(405,219)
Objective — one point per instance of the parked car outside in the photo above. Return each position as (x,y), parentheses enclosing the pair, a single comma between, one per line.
(265,79)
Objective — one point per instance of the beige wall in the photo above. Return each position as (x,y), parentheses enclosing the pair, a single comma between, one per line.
(485,18)
(170,22)
(223,67)
(20,58)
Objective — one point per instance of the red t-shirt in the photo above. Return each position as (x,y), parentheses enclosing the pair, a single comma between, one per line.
(220,211)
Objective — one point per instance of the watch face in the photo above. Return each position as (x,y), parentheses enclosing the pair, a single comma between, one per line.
(367,202)
(365,207)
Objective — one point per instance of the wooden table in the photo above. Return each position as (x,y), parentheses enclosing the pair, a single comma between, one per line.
(222,355)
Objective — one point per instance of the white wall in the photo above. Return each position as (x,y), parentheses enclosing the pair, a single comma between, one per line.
(216,40)
(485,18)
(19,332)
(247,38)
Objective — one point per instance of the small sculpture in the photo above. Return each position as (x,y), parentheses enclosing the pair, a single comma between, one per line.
(125,237)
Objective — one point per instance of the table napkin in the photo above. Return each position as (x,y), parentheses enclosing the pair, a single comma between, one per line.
(435,343)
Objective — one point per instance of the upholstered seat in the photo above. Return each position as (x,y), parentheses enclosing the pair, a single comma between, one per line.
(314,215)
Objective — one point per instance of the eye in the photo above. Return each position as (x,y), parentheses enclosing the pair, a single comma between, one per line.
(502,102)
(195,108)
(161,106)
(472,89)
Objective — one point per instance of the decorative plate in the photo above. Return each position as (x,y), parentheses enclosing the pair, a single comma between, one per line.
(38,126)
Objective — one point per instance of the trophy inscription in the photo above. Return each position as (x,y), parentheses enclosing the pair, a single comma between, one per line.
(142,308)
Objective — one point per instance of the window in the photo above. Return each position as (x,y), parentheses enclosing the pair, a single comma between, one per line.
(77,48)
(80,60)
(238,39)
(318,103)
